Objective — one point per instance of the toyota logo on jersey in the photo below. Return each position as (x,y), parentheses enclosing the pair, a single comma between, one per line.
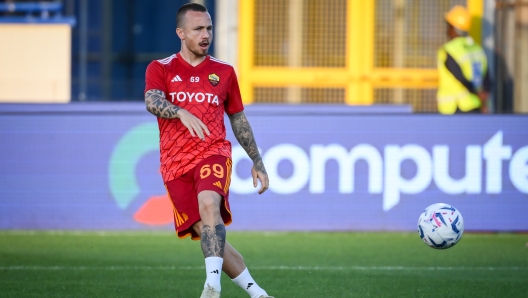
(197,97)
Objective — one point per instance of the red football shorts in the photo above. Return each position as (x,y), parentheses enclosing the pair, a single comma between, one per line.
(212,173)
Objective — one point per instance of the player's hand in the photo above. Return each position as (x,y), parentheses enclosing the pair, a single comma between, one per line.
(195,126)
(259,172)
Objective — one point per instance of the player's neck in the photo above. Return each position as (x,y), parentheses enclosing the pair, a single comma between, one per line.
(191,58)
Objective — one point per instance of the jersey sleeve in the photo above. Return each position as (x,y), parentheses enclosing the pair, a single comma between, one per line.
(233,104)
(155,77)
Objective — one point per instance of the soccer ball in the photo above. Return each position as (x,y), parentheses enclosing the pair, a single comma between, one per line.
(440,226)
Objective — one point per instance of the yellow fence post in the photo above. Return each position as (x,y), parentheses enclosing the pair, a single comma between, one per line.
(360,51)
(476,9)
(352,52)
(246,48)
(367,57)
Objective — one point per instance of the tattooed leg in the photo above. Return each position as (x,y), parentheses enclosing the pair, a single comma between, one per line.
(213,244)
(213,240)
(233,261)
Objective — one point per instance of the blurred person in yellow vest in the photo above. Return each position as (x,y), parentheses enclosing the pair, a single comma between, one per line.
(464,82)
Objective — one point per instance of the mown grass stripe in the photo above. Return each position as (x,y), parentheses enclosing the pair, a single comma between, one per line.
(316,268)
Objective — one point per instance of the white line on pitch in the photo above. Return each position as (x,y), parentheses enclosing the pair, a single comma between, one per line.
(306,268)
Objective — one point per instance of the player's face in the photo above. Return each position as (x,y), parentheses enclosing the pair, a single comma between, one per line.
(197,32)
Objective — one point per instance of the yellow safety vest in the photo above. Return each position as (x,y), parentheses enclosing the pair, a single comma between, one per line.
(472,60)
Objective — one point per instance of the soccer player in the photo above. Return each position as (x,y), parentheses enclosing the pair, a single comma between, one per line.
(188,93)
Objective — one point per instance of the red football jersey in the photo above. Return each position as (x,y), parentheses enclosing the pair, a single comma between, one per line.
(206,91)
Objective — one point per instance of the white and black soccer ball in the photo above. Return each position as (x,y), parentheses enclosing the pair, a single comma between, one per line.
(440,226)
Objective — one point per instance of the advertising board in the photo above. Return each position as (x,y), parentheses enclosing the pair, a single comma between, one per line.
(330,169)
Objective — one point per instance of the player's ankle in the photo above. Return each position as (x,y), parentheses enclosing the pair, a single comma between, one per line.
(213,267)
(248,284)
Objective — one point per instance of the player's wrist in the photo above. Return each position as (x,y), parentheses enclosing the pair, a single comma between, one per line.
(180,112)
(259,165)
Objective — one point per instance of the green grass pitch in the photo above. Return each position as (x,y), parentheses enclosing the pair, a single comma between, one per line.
(287,265)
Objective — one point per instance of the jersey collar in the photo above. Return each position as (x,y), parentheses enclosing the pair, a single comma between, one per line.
(186,64)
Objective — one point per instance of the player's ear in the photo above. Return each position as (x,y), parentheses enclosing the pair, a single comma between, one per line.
(180,33)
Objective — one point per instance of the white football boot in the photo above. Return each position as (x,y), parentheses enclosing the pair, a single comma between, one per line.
(210,292)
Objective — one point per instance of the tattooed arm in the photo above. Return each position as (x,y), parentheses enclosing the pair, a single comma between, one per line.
(244,136)
(159,106)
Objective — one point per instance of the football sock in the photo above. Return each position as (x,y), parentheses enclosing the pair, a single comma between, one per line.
(213,269)
(246,282)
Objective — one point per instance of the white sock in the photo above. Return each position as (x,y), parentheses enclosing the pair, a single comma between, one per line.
(246,282)
(213,269)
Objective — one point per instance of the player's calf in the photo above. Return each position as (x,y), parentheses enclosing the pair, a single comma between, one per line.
(213,244)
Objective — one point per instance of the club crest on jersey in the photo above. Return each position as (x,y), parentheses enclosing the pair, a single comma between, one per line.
(214,79)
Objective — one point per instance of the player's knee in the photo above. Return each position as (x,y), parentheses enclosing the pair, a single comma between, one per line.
(208,204)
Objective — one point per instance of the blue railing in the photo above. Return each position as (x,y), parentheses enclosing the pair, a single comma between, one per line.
(35,12)
(31,7)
